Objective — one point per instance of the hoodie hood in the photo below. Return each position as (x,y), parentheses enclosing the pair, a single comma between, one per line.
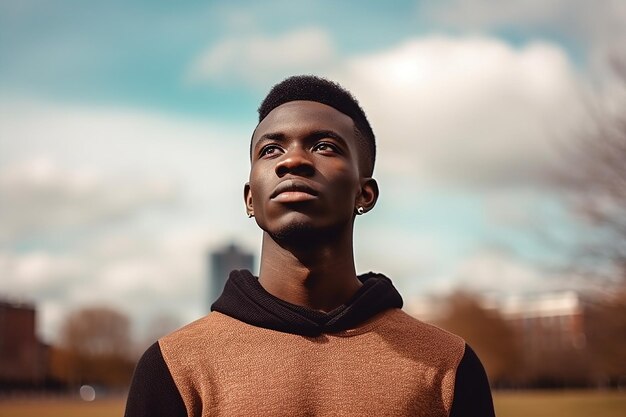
(246,300)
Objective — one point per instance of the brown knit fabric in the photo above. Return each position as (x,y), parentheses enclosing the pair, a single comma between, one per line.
(392,365)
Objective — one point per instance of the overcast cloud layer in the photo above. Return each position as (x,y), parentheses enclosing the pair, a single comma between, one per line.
(118,204)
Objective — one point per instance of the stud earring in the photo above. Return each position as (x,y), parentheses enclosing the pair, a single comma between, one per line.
(360,210)
(250,214)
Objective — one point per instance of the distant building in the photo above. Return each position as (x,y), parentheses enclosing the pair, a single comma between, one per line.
(221,263)
(543,322)
(549,330)
(547,322)
(23,358)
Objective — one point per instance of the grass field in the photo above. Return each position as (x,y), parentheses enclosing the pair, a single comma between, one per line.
(559,403)
(70,407)
(521,404)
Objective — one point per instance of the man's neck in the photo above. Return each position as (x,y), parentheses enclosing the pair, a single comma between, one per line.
(321,277)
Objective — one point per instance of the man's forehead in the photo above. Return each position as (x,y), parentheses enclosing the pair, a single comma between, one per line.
(304,114)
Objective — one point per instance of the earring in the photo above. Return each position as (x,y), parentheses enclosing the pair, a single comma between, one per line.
(250,214)
(360,210)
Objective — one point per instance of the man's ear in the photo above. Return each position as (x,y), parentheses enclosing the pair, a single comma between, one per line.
(369,194)
(247,198)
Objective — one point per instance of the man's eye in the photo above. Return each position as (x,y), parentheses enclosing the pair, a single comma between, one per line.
(325,147)
(269,150)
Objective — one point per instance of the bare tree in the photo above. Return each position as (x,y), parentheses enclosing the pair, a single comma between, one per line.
(595,181)
(94,348)
(97,331)
(486,332)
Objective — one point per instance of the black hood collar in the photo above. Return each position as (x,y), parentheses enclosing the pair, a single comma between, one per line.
(246,300)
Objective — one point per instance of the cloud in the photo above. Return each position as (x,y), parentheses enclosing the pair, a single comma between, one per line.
(115,206)
(258,60)
(588,20)
(599,27)
(140,275)
(493,271)
(467,111)
(121,156)
(481,13)
(40,197)
(499,272)
(34,272)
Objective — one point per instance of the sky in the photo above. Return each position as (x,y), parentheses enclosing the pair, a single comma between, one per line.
(125,126)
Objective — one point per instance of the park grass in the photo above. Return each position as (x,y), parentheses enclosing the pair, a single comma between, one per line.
(560,403)
(62,407)
(508,404)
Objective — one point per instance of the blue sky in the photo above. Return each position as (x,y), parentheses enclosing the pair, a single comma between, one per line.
(124,129)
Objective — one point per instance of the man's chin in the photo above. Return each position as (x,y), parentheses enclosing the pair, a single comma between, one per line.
(293,233)
(302,233)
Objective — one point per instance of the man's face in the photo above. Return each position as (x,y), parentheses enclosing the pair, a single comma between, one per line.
(305,172)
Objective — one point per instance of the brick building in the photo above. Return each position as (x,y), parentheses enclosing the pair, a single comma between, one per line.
(549,330)
(23,358)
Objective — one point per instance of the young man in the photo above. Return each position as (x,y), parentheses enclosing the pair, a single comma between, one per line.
(309,337)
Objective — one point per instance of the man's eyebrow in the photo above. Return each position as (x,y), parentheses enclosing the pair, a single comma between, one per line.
(319,134)
(274,137)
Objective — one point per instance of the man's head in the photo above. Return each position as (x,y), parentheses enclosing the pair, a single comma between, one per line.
(311,163)
(311,88)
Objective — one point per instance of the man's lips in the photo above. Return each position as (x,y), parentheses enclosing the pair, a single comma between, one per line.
(293,191)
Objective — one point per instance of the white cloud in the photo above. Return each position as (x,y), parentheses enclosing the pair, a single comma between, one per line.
(467,110)
(78,192)
(472,110)
(480,13)
(125,154)
(492,271)
(415,255)
(495,271)
(45,279)
(145,274)
(599,27)
(39,197)
(34,272)
(589,20)
(258,60)
(501,273)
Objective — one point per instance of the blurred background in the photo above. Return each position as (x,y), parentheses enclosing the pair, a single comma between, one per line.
(124,134)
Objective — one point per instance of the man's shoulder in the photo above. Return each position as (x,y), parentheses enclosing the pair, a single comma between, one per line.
(402,320)
(198,335)
(421,336)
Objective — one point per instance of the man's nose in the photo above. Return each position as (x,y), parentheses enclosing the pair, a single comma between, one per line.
(295,161)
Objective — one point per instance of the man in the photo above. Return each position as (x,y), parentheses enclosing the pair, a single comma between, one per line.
(309,336)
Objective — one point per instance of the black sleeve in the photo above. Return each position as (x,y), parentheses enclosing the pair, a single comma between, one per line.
(472,395)
(153,392)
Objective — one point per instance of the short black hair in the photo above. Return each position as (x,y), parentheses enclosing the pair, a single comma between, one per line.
(321,90)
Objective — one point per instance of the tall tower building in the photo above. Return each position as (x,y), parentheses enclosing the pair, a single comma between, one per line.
(221,263)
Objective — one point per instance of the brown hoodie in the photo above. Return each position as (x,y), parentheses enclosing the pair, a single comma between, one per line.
(257,355)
